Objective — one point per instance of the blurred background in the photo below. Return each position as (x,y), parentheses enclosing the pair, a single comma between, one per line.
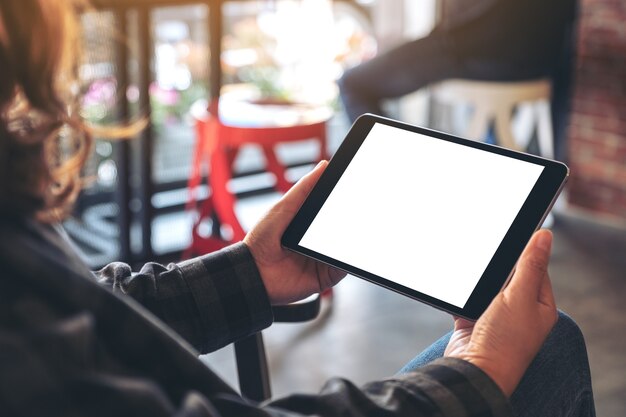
(166,58)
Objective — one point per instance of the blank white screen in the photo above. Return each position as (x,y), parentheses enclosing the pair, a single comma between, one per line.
(422,212)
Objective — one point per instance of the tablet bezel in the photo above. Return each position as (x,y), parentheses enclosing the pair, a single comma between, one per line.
(500,268)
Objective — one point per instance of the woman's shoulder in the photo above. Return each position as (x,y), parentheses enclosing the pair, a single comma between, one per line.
(38,254)
(34,239)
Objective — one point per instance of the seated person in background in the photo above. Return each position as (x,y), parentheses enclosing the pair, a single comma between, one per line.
(115,343)
(489,40)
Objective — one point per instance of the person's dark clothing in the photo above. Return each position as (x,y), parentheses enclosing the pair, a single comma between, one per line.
(488,40)
(73,343)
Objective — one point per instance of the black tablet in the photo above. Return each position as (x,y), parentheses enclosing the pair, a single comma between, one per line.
(432,216)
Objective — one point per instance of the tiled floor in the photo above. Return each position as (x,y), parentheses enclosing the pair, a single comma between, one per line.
(370,332)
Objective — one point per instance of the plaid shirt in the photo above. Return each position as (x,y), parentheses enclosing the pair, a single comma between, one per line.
(71,347)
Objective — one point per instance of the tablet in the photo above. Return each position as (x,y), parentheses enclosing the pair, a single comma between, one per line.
(432,216)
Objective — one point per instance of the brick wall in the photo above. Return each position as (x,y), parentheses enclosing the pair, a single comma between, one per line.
(598,125)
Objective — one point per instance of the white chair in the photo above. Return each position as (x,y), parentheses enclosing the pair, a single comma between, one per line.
(514,109)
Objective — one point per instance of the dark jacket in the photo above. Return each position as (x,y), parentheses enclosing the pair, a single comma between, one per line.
(73,343)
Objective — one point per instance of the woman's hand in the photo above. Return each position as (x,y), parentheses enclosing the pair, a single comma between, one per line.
(288,276)
(508,335)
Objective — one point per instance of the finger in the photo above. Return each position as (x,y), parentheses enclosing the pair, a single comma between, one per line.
(279,216)
(546,296)
(532,269)
(461,323)
(336,274)
(294,198)
(329,276)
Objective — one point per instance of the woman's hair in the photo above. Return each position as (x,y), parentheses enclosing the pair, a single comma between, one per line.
(43,141)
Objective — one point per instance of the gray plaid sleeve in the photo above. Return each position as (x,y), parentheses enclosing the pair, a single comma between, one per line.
(233,302)
(211,300)
(446,387)
(458,388)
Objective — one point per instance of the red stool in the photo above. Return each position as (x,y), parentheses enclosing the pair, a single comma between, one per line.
(217,146)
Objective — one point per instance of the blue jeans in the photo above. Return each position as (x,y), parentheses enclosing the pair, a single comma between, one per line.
(557,382)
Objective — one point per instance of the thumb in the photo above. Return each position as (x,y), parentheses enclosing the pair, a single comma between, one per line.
(266,234)
(532,269)
(293,199)
(461,324)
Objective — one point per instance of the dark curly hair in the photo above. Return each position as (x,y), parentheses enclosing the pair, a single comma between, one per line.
(43,141)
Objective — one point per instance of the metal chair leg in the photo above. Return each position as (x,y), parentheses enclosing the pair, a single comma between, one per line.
(254,381)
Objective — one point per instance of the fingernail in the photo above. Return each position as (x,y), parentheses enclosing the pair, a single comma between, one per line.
(544,240)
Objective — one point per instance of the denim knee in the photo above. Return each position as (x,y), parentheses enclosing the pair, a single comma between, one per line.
(564,350)
(558,380)
(567,330)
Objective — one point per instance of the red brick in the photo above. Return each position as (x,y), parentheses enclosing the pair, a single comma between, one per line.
(595,169)
(590,107)
(585,150)
(597,131)
(597,196)
(600,125)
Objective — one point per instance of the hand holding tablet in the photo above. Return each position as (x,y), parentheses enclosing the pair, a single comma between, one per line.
(435,217)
